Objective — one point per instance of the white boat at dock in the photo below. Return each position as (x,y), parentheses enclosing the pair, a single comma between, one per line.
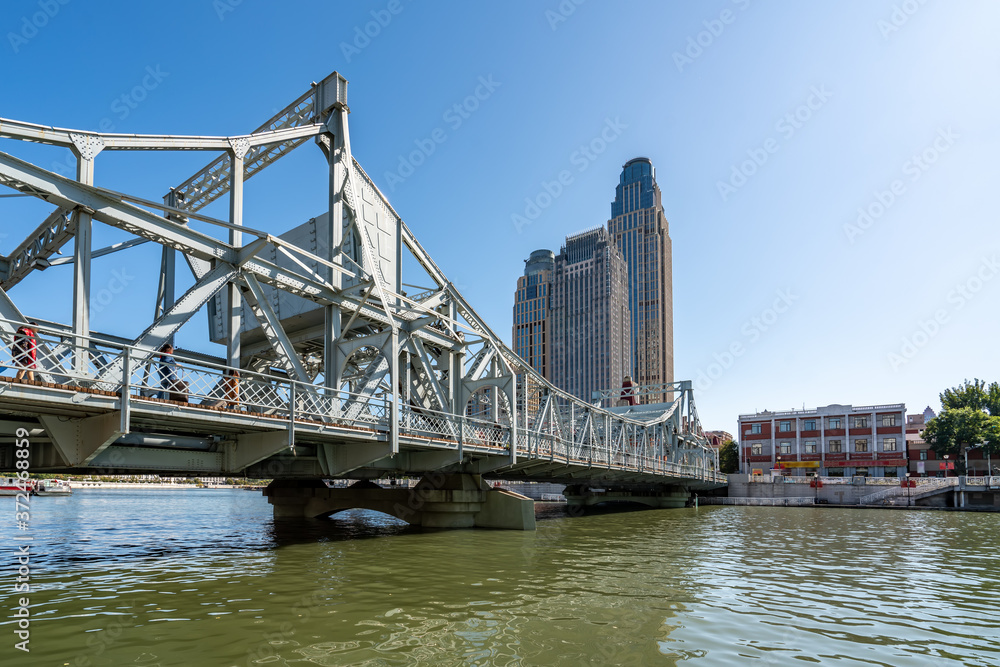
(52,487)
(11,486)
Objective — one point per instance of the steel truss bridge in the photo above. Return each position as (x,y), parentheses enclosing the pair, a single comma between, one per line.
(348,353)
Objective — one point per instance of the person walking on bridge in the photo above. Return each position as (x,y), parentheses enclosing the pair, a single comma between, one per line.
(26,351)
(167,370)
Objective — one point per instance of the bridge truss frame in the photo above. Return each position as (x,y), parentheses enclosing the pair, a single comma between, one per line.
(390,382)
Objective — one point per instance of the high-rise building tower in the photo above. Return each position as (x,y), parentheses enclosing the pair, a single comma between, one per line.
(531,311)
(639,228)
(590,331)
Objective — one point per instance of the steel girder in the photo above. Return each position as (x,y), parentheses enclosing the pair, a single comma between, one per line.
(271,326)
(105,208)
(92,143)
(34,251)
(110,210)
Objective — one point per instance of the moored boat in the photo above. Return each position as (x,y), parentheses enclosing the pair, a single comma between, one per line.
(11,486)
(52,487)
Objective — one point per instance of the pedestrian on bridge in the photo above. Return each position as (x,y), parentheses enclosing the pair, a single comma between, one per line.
(26,351)
(628,391)
(168,375)
(229,388)
(232,384)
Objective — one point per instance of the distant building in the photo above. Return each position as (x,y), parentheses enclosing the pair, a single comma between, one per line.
(531,311)
(590,316)
(923,462)
(640,230)
(571,318)
(832,441)
(605,284)
(718,438)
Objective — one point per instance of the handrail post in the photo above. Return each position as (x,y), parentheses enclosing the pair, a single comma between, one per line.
(125,401)
(291,414)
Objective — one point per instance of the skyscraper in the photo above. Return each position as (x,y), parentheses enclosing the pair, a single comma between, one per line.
(590,332)
(531,310)
(639,228)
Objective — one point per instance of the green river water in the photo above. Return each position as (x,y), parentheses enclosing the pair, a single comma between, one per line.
(146,578)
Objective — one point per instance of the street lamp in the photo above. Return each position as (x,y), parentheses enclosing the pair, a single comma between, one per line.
(967,456)
(945,465)
(907,489)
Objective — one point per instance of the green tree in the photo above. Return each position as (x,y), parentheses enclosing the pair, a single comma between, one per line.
(976,394)
(729,457)
(956,429)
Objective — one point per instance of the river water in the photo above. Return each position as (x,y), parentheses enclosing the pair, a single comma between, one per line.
(206,577)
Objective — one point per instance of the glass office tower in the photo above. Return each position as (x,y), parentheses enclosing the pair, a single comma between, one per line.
(639,228)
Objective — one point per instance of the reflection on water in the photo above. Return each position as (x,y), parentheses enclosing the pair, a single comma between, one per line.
(208,578)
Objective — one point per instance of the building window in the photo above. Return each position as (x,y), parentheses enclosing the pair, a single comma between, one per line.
(785,448)
(835,447)
(835,422)
(809,425)
(889,445)
(860,422)
(785,426)
(756,449)
(810,447)
(923,454)
(755,429)
(861,445)
(861,472)
(888,420)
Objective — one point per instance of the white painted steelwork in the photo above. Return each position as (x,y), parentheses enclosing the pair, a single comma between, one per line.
(334,364)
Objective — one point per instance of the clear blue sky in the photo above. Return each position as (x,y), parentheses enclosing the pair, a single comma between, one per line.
(884,85)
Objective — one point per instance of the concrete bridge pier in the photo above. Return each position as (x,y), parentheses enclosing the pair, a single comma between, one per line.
(660,497)
(437,501)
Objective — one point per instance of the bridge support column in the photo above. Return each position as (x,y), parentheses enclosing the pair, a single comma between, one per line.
(581,495)
(437,501)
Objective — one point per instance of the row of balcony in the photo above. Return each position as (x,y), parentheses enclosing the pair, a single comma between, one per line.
(830,456)
(765,433)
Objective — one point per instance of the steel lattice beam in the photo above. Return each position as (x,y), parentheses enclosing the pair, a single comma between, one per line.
(275,333)
(45,241)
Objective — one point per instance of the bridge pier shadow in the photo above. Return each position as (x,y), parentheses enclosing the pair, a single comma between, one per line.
(445,501)
(660,497)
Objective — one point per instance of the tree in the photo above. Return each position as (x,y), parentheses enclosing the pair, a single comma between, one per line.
(975,394)
(729,457)
(956,429)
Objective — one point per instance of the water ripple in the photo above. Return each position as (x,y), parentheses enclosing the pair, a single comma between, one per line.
(208,578)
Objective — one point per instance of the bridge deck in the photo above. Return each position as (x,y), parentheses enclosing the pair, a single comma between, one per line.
(192,437)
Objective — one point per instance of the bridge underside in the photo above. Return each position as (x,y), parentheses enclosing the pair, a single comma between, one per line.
(437,501)
(656,496)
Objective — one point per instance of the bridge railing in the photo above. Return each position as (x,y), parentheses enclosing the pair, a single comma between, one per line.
(201,383)
(195,382)
(535,445)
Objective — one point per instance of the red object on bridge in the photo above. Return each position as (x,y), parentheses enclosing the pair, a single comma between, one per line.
(816,483)
(627,391)
(911,483)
